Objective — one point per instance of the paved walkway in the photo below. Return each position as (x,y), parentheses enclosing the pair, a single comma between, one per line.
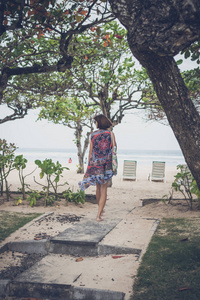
(91,260)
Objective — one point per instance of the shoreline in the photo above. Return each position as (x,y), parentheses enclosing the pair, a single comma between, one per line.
(143,157)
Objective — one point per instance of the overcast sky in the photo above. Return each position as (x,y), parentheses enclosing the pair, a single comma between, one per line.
(133,133)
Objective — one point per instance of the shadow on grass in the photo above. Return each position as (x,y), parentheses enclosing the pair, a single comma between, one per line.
(11,221)
(170,268)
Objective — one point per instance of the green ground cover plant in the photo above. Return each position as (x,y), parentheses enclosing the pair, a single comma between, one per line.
(11,221)
(170,268)
(77,197)
(185,184)
(49,170)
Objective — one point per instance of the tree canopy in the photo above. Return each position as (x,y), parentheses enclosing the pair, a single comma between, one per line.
(54,23)
(102,78)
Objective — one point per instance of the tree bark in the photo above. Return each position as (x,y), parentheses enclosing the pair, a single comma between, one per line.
(61,66)
(78,134)
(158,30)
(179,108)
(81,153)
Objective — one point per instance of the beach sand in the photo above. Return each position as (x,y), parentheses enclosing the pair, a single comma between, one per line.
(123,197)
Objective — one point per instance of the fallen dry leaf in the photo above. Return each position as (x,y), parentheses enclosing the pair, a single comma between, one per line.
(79,259)
(184,288)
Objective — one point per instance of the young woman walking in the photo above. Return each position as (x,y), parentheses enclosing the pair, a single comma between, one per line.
(99,170)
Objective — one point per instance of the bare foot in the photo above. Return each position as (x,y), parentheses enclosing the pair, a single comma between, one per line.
(99,219)
(103,211)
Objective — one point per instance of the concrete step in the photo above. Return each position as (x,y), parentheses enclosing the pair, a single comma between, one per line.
(83,237)
(109,277)
(89,238)
(110,253)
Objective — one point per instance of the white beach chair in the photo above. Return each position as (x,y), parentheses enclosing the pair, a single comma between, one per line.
(129,170)
(158,171)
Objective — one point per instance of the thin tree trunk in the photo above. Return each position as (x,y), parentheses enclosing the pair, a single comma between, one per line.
(78,135)
(81,153)
(81,164)
(1,182)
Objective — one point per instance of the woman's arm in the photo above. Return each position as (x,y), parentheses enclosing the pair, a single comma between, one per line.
(114,144)
(90,151)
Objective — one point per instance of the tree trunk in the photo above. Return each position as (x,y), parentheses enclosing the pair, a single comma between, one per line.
(81,154)
(78,135)
(1,182)
(157,31)
(179,108)
(81,164)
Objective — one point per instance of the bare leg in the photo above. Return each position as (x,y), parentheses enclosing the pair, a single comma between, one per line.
(98,189)
(102,200)
(98,194)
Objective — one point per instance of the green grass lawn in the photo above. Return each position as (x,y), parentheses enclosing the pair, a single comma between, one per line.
(11,221)
(170,269)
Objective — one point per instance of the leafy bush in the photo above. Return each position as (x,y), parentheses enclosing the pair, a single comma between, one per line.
(6,161)
(78,197)
(48,169)
(53,173)
(185,183)
(20,164)
(33,197)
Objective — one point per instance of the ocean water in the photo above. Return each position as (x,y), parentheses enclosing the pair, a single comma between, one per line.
(143,157)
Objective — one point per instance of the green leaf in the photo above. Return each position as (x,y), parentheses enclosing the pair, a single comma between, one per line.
(187,53)
(179,62)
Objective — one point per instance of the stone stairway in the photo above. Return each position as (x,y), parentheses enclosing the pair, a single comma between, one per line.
(91,260)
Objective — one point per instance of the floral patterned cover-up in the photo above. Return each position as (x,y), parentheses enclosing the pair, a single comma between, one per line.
(99,168)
